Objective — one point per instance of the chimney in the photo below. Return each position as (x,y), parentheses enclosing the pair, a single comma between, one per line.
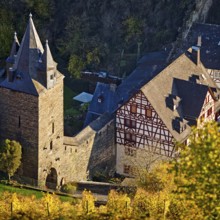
(10,74)
(199,41)
(196,55)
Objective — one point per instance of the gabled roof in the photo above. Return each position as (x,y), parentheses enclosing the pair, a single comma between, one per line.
(178,79)
(148,67)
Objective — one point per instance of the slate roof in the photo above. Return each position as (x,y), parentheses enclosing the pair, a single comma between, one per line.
(192,97)
(30,72)
(14,50)
(210,43)
(180,79)
(111,97)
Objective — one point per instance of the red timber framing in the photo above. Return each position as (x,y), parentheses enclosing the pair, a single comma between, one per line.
(139,126)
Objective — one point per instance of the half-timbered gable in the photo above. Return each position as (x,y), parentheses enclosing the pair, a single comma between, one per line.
(139,129)
(139,126)
(208,108)
(162,112)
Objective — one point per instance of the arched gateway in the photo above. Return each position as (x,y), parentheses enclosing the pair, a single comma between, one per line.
(51,180)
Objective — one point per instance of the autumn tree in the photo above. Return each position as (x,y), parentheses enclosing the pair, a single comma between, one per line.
(10,157)
(199,165)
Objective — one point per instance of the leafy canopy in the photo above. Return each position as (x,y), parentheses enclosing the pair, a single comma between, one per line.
(199,164)
(10,157)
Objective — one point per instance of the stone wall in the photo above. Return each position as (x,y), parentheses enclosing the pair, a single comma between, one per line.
(91,151)
(37,123)
(50,131)
(19,121)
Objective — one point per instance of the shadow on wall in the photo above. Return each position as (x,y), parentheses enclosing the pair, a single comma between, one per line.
(102,159)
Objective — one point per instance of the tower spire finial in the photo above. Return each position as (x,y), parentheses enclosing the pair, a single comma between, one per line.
(30,15)
(15,35)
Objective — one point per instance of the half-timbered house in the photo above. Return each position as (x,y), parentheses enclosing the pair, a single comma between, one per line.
(162,112)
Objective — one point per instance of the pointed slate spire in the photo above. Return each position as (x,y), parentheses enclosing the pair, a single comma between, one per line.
(47,58)
(48,67)
(29,51)
(14,50)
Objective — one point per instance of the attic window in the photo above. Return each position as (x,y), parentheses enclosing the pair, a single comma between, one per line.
(18,76)
(148,112)
(100,99)
(133,108)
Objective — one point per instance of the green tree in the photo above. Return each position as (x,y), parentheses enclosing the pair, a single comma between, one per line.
(6,33)
(199,165)
(10,157)
(75,66)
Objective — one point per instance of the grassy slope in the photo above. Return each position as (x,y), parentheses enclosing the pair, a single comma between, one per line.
(29,192)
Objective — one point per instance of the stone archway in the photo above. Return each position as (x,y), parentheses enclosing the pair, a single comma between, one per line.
(51,180)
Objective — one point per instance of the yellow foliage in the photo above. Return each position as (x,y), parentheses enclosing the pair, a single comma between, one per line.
(119,205)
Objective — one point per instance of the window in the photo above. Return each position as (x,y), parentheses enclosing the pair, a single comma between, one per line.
(217,74)
(19,121)
(52,127)
(51,145)
(130,123)
(148,112)
(100,99)
(130,137)
(127,169)
(51,77)
(133,108)
(129,151)
(209,112)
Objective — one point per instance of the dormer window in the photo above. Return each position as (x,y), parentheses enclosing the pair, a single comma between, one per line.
(100,99)
(18,77)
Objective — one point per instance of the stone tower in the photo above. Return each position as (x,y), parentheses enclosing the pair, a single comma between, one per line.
(31,100)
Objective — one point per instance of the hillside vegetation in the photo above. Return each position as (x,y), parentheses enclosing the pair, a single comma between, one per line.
(100,34)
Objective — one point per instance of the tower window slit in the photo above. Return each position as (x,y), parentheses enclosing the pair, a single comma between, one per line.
(19,121)
(51,145)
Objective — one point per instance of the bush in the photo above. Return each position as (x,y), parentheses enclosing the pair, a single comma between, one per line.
(69,187)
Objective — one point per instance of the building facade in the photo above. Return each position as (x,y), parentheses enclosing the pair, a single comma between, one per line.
(161,113)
